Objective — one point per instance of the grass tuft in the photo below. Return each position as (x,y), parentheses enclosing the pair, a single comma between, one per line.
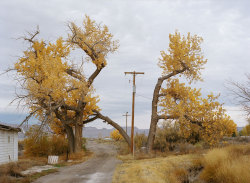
(227,165)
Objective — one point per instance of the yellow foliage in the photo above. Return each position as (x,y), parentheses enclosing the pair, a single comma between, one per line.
(115,135)
(245,131)
(95,40)
(183,52)
(193,113)
(55,84)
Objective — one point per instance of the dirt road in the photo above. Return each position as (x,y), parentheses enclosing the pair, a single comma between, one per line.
(98,169)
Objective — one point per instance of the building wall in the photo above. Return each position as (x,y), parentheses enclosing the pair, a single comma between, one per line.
(8,146)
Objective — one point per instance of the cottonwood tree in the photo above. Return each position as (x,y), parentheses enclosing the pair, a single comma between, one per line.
(181,103)
(57,90)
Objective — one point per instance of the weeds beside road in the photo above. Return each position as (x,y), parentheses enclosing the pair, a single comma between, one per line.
(221,165)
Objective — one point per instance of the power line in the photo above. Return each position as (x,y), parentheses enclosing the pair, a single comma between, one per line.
(144,96)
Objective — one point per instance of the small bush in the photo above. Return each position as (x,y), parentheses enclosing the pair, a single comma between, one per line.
(166,137)
(123,148)
(115,135)
(39,143)
(57,145)
(140,140)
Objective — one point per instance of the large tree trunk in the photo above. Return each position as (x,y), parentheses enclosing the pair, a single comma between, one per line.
(78,137)
(154,115)
(71,138)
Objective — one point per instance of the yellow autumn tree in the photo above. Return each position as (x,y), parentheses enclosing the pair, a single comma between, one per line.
(181,103)
(246,130)
(194,114)
(115,135)
(57,90)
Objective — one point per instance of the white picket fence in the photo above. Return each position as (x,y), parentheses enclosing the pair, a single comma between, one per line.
(52,159)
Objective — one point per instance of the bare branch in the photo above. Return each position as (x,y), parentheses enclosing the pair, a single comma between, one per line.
(166,117)
(75,74)
(241,92)
(29,116)
(90,120)
(32,35)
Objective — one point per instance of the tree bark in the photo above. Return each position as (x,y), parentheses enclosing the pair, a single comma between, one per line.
(78,137)
(71,138)
(154,116)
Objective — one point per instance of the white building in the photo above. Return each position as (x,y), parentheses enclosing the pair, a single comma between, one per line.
(8,143)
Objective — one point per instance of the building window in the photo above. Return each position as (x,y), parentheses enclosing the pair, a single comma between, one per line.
(8,139)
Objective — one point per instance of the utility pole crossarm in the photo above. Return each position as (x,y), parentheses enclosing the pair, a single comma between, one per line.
(133,72)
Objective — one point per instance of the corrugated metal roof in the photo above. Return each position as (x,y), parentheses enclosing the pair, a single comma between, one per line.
(9,128)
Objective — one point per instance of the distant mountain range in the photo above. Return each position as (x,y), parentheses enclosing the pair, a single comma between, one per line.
(92,132)
(88,132)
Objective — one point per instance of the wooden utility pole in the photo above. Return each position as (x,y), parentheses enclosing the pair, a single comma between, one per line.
(133,108)
(126,119)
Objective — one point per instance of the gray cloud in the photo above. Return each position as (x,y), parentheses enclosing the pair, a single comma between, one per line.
(142,28)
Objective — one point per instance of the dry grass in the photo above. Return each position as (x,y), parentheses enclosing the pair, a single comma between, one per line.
(11,172)
(227,165)
(15,168)
(223,165)
(156,170)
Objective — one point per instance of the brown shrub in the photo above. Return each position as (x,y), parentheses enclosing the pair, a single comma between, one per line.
(166,137)
(123,148)
(227,165)
(39,143)
(11,169)
(5,179)
(140,140)
(58,145)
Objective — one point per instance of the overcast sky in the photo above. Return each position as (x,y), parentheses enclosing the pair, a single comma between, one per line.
(142,27)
